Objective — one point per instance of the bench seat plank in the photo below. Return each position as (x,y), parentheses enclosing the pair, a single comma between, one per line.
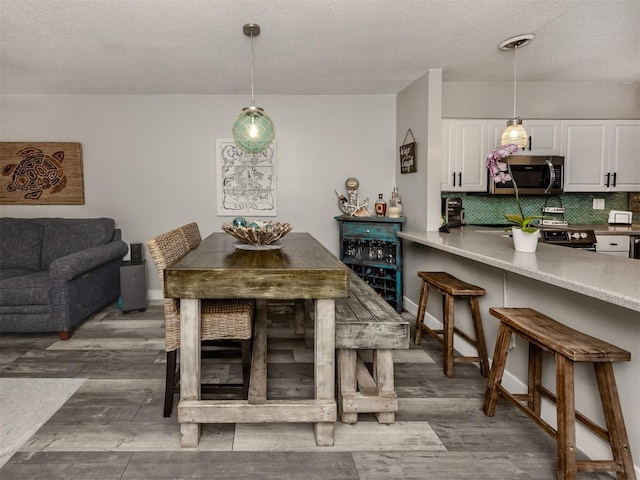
(366,321)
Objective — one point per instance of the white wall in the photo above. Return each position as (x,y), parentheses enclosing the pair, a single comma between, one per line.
(418,108)
(541,100)
(149,161)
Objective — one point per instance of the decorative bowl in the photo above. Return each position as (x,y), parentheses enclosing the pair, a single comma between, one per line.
(258,233)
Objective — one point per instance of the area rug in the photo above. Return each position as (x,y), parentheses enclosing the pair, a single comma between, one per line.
(26,404)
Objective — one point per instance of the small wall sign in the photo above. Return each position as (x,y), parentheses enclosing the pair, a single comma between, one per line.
(408,154)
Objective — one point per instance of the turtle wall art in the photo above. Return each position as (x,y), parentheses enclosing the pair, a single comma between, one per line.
(41,173)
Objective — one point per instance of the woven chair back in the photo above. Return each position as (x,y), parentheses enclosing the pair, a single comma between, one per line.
(220,319)
(166,249)
(191,233)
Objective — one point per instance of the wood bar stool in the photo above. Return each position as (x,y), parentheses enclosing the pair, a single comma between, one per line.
(451,288)
(567,346)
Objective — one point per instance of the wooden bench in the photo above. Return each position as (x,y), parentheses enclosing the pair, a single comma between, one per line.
(364,321)
(567,346)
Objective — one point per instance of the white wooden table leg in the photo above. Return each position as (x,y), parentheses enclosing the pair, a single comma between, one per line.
(189,365)
(324,364)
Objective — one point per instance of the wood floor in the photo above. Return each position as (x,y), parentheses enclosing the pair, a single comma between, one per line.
(112,427)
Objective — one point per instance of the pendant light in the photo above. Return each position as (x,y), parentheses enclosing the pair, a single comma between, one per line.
(253,130)
(515,132)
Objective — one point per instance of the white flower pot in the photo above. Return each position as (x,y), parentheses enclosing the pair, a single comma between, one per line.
(523,241)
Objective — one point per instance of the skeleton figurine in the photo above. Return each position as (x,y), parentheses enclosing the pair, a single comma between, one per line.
(350,204)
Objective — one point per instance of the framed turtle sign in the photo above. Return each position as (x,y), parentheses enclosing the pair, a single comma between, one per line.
(41,173)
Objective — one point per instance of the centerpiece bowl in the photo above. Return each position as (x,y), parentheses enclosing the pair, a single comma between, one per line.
(258,233)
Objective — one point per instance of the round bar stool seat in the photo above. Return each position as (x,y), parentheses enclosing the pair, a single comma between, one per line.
(451,288)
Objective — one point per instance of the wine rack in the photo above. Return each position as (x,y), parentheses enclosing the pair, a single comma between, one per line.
(371,248)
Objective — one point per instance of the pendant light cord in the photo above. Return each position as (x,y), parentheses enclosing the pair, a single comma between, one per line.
(515,73)
(253,103)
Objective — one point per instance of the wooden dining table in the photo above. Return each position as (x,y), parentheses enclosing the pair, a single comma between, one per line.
(302,269)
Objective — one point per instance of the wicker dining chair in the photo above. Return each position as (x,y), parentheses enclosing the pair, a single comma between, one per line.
(223,322)
(192,235)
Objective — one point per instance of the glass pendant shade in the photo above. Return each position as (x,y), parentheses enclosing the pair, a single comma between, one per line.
(515,133)
(253,130)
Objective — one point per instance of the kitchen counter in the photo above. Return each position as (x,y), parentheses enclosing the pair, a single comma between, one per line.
(592,293)
(614,280)
(606,229)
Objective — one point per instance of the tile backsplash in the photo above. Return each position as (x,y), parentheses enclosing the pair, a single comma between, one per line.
(578,206)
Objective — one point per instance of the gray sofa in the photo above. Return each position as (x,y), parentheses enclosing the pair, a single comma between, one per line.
(56,272)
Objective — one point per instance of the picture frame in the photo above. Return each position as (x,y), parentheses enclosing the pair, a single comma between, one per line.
(41,173)
(246,183)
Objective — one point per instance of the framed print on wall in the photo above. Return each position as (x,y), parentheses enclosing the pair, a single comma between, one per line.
(246,183)
(41,173)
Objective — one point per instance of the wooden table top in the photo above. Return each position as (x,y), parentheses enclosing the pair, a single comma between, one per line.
(303,268)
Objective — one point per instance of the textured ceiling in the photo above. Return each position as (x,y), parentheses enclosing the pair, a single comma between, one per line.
(307,46)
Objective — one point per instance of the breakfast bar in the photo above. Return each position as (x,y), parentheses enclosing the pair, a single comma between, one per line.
(590,292)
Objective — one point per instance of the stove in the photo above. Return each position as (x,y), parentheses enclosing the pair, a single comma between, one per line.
(576,238)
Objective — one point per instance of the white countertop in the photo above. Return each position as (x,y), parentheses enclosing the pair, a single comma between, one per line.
(612,279)
(606,229)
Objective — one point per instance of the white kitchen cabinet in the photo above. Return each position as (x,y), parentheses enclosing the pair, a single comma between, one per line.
(585,144)
(601,155)
(464,151)
(544,136)
(624,159)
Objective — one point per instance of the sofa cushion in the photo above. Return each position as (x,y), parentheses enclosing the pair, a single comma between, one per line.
(15,272)
(31,289)
(20,243)
(64,236)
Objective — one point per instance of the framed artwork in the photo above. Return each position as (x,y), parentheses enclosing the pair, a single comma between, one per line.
(41,173)
(408,155)
(246,183)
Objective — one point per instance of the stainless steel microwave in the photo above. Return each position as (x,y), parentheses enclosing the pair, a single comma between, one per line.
(534,175)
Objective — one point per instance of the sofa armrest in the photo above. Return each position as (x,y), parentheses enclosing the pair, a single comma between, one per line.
(66,268)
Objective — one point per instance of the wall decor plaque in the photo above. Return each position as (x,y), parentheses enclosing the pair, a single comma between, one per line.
(408,155)
(41,173)
(246,182)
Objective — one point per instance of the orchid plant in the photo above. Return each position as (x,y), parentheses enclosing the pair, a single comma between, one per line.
(498,166)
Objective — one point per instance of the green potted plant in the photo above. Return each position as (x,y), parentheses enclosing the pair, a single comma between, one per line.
(525,236)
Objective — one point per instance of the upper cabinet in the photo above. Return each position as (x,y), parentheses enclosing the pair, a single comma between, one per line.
(544,136)
(625,155)
(464,150)
(601,155)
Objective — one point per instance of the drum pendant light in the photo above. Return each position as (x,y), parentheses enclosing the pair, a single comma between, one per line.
(253,130)
(515,132)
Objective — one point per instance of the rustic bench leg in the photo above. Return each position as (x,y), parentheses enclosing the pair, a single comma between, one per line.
(481,345)
(347,384)
(497,370)
(535,379)
(615,422)
(383,375)
(449,305)
(422,308)
(566,418)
